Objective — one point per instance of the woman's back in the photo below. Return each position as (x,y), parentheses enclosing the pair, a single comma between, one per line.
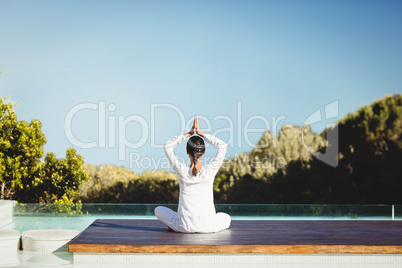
(196,200)
(196,210)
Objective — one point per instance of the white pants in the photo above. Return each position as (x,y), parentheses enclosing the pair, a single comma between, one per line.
(167,216)
(170,219)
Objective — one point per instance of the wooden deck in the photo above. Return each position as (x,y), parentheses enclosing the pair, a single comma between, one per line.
(261,236)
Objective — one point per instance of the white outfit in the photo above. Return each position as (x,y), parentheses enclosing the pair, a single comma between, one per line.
(196,211)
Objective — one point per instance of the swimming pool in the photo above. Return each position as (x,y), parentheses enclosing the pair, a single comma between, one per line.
(307,210)
(44,216)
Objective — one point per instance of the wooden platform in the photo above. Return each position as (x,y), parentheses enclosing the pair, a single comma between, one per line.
(243,236)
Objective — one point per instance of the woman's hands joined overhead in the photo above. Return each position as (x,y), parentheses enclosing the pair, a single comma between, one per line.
(195,129)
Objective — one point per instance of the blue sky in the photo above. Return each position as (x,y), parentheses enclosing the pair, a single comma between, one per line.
(279,60)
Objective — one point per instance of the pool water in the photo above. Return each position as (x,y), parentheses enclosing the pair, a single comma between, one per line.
(24,223)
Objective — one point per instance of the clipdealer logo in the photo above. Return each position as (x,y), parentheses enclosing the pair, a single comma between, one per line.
(111,130)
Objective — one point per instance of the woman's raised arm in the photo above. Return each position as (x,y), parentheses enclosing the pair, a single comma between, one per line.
(168,147)
(170,144)
(220,155)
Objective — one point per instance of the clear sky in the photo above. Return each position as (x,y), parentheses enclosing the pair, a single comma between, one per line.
(130,73)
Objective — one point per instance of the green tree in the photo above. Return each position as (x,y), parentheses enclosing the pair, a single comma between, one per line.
(56,178)
(23,176)
(21,147)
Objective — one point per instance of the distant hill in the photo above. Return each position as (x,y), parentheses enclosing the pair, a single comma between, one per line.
(369,169)
(271,154)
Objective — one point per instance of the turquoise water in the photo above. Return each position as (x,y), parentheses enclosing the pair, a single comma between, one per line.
(45,216)
(24,223)
(292,210)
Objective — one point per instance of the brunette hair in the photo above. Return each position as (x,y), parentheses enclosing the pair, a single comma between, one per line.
(196,148)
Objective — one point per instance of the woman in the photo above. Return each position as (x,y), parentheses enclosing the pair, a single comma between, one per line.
(196,212)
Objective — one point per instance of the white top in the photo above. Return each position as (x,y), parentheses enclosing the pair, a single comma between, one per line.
(196,211)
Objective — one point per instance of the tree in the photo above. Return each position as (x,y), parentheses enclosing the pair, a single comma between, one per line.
(21,147)
(23,176)
(56,179)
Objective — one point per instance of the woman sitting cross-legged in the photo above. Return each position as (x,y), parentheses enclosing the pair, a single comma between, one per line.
(196,211)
